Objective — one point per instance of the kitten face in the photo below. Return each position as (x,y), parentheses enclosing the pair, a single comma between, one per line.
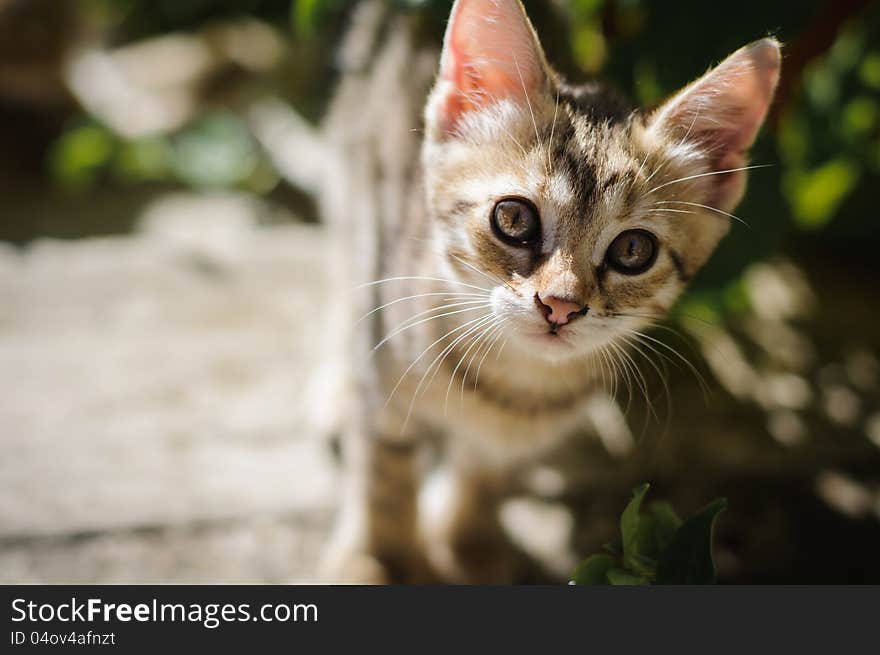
(585,220)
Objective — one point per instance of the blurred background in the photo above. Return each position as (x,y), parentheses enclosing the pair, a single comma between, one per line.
(166,415)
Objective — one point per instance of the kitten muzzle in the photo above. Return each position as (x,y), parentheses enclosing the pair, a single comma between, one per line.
(559,311)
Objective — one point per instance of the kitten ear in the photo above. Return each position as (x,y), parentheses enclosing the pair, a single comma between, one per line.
(722,111)
(490,53)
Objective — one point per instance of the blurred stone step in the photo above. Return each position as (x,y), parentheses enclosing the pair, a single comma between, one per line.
(174,375)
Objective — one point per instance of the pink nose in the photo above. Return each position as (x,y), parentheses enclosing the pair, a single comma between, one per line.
(558,311)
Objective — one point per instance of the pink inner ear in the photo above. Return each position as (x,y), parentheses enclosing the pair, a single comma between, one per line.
(724,110)
(728,104)
(490,54)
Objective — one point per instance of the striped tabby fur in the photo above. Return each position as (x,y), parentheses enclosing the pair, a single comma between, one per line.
(473,378)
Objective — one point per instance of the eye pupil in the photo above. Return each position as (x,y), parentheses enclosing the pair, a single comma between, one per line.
(516,222)
(632,252)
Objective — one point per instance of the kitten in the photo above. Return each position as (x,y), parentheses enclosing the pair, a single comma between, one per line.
(507,242)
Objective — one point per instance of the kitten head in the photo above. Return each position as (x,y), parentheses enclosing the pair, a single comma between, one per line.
(585,219)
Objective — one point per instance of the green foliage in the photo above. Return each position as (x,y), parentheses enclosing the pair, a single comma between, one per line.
(215,151)
(657,547)
(687,559)
(144,159)
(594,570)
(80,154)
(306,16)
(829,141)
(816,195)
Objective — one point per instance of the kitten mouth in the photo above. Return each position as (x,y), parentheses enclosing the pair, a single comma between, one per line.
(558,331)
(552,336)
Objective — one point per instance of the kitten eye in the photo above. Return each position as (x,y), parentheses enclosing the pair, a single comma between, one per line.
(515,221)
(632,252)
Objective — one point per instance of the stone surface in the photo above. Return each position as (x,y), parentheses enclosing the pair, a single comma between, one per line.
(162,381)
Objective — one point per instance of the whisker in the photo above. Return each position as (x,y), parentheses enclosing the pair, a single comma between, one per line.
(608,385)
(514,139)
(499,333)
(464,377)
(455,371)
(700,379)
(674,211)
(436,308)
(474,334)
(500,350)
(704,387)
(491,278)
(643,386)
(660,167)
(405,324)
(636,343)
(693,122)
(552,132)
(600,365)
(694,177)
(655,317)
(425,351)
(438,361)
(423,295)
(642,165)
(528,102)
(714,209)
(615,370)
(400,329)
(662,355)
(623,372)
(452,377)
(641,382)
(419,277)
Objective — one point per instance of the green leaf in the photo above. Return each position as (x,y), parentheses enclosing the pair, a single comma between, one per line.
(632,528)
(308,16)
(303,16)
(643,565)
(593,570)
(142,159)
(614,549)
(623,577)
(80,154)
(666,523)
(688,559)
(655,530)
(870,70)
(815,196)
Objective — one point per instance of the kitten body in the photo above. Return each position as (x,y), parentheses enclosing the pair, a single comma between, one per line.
(490,343)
